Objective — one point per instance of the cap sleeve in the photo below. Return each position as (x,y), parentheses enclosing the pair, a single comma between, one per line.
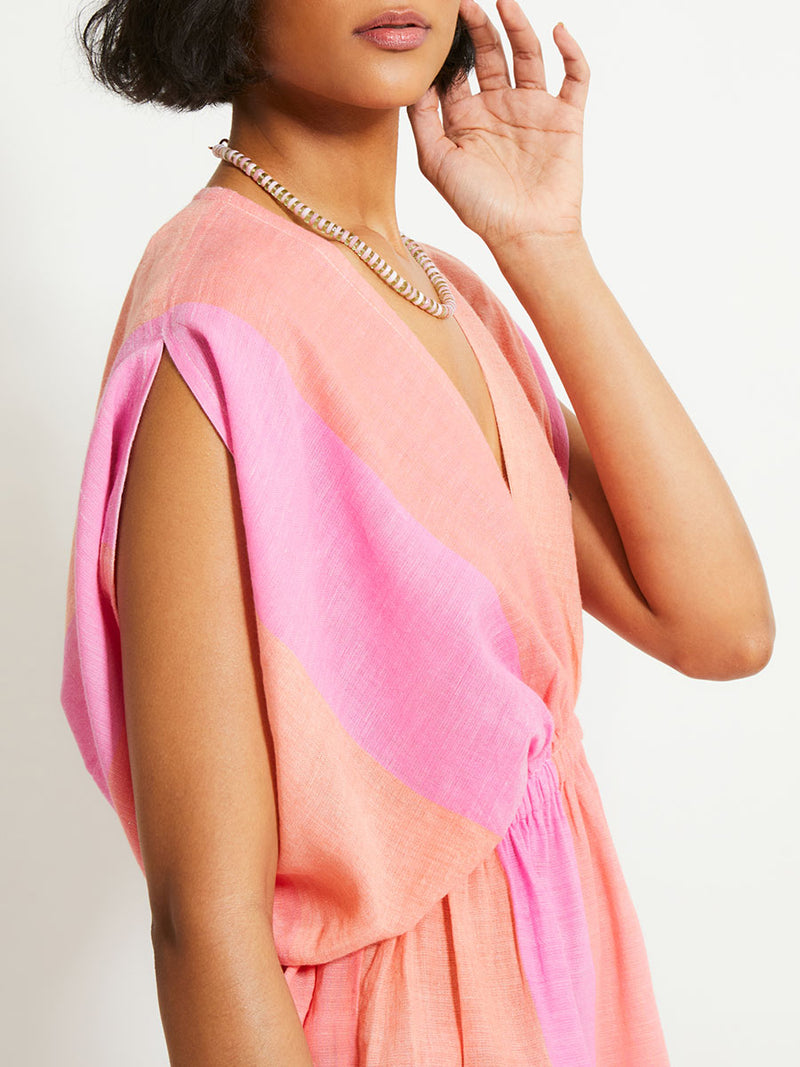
(91,688)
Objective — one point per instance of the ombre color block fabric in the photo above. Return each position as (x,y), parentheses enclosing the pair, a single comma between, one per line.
(447,892)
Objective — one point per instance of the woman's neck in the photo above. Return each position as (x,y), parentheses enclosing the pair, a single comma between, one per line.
(341,161)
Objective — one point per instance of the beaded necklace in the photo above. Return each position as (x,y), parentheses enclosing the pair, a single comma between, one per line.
(312,218)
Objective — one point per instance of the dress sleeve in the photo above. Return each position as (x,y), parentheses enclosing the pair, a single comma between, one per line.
(91,688)
(557,422)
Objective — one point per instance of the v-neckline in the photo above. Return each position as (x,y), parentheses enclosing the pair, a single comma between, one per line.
(462,311)
(438,371)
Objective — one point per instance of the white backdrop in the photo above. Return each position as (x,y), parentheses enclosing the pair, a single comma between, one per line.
(691,212)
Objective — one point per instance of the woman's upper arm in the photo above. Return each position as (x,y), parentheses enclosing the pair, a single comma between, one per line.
(201,754)
(608,588)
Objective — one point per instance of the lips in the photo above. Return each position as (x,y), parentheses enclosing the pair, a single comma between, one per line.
(395,19)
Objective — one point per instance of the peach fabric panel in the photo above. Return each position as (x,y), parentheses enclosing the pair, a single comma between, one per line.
(448,992)
(335,894)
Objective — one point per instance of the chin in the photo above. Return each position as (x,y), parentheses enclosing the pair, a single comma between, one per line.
(394,94)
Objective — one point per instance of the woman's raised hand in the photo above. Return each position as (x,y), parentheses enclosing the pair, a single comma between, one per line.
(508,159)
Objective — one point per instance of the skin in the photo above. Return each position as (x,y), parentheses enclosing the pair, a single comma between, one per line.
(664,555)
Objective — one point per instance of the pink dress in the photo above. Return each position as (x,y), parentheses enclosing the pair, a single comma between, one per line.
(448,892)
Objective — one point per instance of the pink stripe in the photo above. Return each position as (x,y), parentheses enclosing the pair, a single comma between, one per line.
(557,422)
(73,700)
(446,692)
(538,856)
(91,692)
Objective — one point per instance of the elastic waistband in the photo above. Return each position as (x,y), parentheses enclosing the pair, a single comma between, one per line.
(555,767)
(541,788)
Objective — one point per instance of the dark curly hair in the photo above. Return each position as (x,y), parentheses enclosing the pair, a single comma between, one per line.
(187,54)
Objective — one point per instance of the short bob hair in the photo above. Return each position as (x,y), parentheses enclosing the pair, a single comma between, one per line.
(187,54)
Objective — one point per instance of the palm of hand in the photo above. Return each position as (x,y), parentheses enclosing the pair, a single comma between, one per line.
(529,180)
(508,159)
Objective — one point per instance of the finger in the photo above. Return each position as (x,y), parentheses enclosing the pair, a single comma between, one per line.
(432,144)
(452,113)
(575,87)
(525,47)
(451,100)
(491,68)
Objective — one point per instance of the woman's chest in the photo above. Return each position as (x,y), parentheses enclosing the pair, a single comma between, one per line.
(446,343)
(425,436)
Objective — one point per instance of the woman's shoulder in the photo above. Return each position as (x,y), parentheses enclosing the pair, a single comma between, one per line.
(210,245)
(219,253)
(482,299)
(463,277)
(491,310)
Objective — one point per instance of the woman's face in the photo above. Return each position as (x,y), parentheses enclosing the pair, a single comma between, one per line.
(312,46)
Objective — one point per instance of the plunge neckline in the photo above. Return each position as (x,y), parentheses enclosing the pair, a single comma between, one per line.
(326,246)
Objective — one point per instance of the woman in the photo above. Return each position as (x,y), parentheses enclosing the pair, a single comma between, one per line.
(334,539)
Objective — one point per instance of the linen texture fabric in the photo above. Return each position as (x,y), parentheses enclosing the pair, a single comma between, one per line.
(447,892)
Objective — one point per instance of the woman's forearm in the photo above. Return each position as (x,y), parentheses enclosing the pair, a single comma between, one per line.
(686,542)
(223,996)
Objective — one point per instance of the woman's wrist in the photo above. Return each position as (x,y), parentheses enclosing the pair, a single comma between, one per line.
(543,269)
(540,246)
